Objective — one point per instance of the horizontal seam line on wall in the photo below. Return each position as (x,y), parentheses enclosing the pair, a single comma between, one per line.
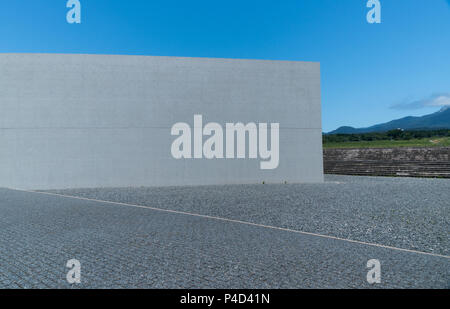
(113,128)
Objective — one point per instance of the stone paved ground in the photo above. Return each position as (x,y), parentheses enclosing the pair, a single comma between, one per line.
(121,246)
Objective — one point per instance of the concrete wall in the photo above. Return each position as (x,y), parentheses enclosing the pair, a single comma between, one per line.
(71,121)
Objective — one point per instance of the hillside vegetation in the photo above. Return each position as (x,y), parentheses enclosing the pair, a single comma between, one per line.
(389,139)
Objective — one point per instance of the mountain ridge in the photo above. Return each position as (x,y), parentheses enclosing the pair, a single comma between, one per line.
(436,120)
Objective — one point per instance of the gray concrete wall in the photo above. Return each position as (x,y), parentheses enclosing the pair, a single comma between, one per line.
(71,121)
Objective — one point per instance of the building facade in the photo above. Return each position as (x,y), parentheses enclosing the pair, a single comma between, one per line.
(70,121)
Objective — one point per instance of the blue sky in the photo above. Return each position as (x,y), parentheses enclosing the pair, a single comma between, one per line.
(371,73)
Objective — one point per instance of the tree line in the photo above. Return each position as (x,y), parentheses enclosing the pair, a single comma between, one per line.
(397,134)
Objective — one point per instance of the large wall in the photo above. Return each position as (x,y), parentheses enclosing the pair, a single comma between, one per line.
(71,121)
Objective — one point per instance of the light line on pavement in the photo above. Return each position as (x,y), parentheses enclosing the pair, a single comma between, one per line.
(234,221)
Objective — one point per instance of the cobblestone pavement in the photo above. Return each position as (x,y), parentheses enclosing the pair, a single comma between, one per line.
(123,246)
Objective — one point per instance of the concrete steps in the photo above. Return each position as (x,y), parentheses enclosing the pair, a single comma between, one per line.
(416,162)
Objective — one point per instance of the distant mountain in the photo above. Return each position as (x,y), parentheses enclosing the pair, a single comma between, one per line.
(438,120)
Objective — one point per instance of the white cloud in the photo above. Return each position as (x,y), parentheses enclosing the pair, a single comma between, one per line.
(443,100)
(438,100)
